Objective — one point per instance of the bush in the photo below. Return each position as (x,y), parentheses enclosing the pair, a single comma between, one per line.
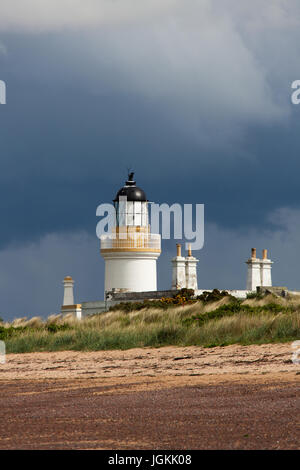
(6,333)
(237,307)
(55,327)
(254,295)
(183,297)
(214,296)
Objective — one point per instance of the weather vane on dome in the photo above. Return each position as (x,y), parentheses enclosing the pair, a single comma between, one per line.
(130,175)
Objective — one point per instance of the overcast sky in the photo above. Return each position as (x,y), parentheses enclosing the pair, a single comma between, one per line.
(195,95)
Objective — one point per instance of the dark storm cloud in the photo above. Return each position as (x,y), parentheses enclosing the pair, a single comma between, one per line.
(194,97)
(31,275)
(66,148)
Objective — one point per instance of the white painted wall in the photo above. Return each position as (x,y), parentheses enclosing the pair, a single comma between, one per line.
(72,309)
(191,272)
(68,292)
(133,271)
(178,273)
(254,274)
(266,277)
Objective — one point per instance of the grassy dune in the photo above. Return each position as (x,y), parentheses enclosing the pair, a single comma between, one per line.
(212,324)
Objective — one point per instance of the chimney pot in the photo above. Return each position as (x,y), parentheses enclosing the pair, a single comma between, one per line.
(253,253)
(178,249)
(265,254)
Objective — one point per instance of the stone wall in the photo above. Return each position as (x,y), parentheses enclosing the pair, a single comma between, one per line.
(140,296)
(100,306)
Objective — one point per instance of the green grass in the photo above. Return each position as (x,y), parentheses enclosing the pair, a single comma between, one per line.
(204,324)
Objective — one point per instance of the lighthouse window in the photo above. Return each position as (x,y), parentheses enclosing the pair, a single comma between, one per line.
(137,213)
(132,213)
(144,214)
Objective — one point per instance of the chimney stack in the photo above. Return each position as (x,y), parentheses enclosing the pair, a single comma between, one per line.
(265,270)
(178,271)
(253,276)
(259,271)
(68,303)
(191,270)
(68,291)
(178,249)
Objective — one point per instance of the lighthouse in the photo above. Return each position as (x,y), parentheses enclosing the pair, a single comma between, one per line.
(130,251)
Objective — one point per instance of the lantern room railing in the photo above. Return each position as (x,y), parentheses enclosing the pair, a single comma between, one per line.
(131,241)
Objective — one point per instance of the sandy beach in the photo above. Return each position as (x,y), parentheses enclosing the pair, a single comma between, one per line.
(234,397)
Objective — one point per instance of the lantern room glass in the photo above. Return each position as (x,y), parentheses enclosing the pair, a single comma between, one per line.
(131,213)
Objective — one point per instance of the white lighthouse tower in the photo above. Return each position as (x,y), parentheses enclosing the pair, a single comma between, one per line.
(131,250)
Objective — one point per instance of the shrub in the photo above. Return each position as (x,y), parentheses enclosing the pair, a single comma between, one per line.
(254,295)
(183,297)
(55,327)
(6,333)
(237,307)
(213,296)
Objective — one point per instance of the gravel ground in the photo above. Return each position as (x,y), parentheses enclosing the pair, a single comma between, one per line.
(235,397)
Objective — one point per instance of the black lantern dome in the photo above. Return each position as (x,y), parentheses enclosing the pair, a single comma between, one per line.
(131,191)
